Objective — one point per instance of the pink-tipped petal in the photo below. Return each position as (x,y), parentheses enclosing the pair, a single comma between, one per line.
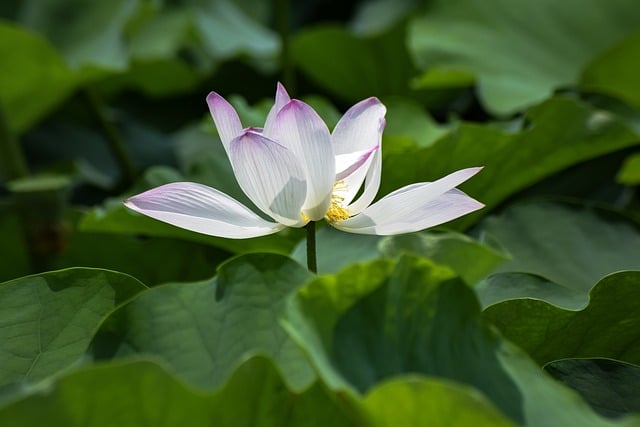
(346,164)
(225,117)
(282,97)
(202,209)
(415,207)
(270,176)
(298,127)
(360,127)
(370,173)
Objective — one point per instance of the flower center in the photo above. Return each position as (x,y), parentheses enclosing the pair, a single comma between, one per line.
(336,212)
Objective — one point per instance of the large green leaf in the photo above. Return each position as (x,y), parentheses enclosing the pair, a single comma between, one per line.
(569,246)
(615,72)
(48,320)
(34,77)
(371,322)
(204,329)
(560,133)
(140,392)
(608,327)
(519,50)
(612,388)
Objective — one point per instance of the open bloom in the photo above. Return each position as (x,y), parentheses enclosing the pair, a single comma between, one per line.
(295,171)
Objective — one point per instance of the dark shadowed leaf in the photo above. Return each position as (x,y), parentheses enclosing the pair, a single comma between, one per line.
(612,388)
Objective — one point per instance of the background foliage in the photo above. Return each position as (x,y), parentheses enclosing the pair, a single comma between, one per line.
(524,313)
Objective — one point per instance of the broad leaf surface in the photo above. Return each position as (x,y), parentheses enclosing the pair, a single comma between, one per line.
(569,246)
(519,50)
(609,326)
(204,329)
(562,132)
(371,322)
(48,320)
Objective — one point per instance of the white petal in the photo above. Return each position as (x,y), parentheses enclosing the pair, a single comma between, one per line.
(270,176)
(225,117)
(346,164)
(415,207)
(298,127)
(282,97)
(360,127)
(352,183)
(202,209)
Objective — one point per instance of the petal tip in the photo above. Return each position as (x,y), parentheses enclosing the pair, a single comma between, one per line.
(213,97)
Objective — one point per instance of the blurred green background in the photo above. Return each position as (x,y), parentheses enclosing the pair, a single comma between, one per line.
(102,99)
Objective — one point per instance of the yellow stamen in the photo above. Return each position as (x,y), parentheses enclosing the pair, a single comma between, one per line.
(336,212)
(304,217)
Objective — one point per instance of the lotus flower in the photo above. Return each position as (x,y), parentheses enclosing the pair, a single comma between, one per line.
(295,171)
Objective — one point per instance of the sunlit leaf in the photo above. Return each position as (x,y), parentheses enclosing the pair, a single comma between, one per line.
(255,395)
(417,401)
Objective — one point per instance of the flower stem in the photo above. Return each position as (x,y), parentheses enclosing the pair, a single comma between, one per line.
(312,264)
